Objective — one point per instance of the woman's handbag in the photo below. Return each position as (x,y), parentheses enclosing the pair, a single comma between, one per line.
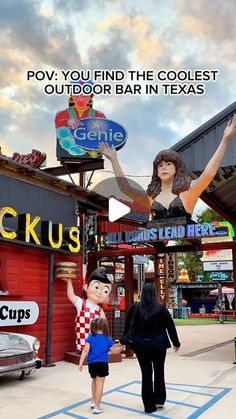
(128,338)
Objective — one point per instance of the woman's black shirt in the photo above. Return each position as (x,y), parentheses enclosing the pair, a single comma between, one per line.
(157,325)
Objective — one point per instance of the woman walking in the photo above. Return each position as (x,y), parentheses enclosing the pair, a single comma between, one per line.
(151,323)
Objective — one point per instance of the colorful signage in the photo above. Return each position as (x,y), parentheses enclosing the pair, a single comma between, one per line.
(14,313)
(161,272)
(217,255)
(220,276)
(140,260)
(224,226)
(81,138)
(189,231)
(171,267)
(218,266)
(51,235)
(33,159)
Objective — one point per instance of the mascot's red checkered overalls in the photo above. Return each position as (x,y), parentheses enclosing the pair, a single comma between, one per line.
(98,289)
(86,313)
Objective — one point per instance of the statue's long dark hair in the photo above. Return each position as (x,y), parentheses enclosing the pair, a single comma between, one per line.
(182,179)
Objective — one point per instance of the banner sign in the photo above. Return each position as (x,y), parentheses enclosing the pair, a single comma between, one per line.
(189,231)
(140,260)
(34,159)
(171,267)
(51,235)
(218,266)
(161,273)
(220,276)
(15,313)
(82,137)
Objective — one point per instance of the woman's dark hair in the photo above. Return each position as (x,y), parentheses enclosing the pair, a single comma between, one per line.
(148,305)
(182,179)
(99,324)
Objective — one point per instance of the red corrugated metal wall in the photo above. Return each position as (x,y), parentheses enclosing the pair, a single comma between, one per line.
(24,274)
(107,227)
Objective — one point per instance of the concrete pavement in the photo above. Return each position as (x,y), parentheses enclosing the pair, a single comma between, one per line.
(201,383)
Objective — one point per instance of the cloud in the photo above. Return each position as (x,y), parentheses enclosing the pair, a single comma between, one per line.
(208,20)
(114,35)
(135,33)
(75,5)
(42,37)
(106,56)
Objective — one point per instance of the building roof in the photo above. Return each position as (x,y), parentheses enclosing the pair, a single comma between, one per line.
(197,148)
(86,199)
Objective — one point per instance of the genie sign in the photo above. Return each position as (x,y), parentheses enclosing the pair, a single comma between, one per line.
(82,137)
(93,130)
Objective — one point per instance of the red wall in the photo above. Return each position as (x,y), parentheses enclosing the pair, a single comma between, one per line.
(107,227)
(24,274)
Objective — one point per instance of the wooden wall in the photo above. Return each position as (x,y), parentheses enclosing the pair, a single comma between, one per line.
(24,275)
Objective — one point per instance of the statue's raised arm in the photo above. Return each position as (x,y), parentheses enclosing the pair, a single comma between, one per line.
(172,192)
(199,185)
(125,187)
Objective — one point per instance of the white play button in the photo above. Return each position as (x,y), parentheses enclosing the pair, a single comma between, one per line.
(117,209)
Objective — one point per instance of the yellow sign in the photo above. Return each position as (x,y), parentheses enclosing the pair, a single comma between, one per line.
(52,235)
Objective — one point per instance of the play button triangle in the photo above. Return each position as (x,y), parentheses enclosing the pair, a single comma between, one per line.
(117,209)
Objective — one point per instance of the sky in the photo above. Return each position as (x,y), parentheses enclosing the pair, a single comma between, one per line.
(155,35)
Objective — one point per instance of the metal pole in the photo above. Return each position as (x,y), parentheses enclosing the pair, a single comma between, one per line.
(129,293)
(221,314)
(234,351)
(140,279)
(234,276)
(49,311)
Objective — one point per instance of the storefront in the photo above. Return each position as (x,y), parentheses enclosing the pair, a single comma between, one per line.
(198,297)
(39,227)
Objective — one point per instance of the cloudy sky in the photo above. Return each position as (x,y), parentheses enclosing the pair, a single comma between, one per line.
(114,34)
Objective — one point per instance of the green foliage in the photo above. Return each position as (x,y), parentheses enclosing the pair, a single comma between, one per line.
(191,261)
(195,322)
(200,322)
(208,215)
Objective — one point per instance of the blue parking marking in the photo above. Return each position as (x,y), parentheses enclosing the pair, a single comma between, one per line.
(141,412)
(73,415)
(209,404)
(169,413)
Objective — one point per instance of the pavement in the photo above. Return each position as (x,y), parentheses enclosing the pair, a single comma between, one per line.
(201,383)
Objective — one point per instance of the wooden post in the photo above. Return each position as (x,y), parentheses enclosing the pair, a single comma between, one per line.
(234,275)
(156,277)
(129,291)
(92,263)
(160,278)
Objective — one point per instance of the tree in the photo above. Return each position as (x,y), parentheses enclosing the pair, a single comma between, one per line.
(192,260)
(208,215)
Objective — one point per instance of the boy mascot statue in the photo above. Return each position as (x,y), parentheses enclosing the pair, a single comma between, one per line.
(98,289)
